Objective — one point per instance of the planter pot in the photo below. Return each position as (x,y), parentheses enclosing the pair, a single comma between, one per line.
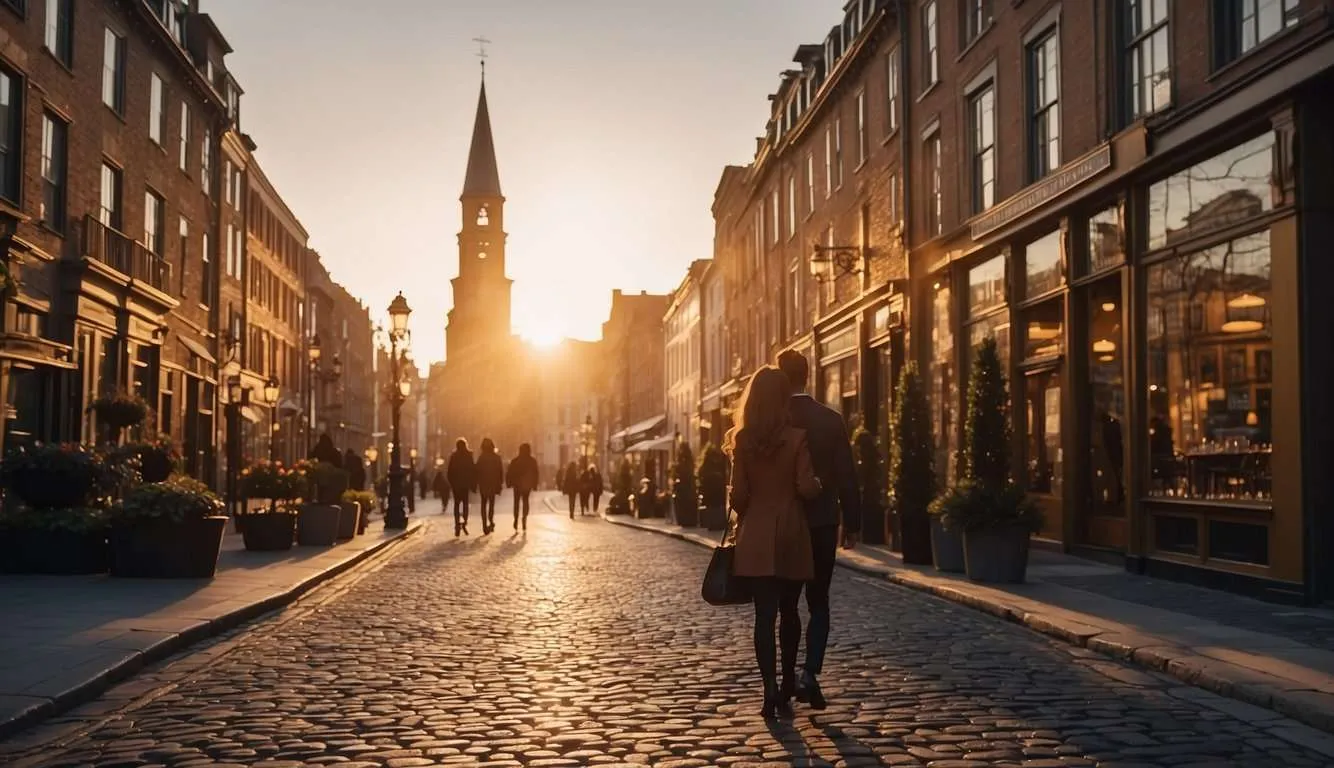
(363,521)
(167,550)
(713,517)
(350,520)
(946,548)
(997,555)
(273,532)
(916,536)
(317,525)
(687,513)
(646,507)
(32,550)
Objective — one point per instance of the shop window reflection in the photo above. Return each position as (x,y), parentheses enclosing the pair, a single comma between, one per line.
(1044,335)
(997,326)
(1209,404)
(1106,366)
(1042,265)
(1107,240)
(1219,192)
(944,383)
(1043,397)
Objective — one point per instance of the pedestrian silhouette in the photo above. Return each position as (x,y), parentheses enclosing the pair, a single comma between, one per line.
(462,482)
(490,476)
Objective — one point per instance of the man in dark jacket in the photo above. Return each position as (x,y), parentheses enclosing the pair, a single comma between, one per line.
(831,455)
(356,471)
(490,478)
(462,481)
(522,477)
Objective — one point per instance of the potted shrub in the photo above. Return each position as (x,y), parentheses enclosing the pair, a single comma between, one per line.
(912,478)
(271,526)
(685,500)
(646,500)
(994,514)
(119,412)
(871,483)
(619,504)
(319,522)
(167,530)
(52,541)
(712,474)
(365,503)
(158,459)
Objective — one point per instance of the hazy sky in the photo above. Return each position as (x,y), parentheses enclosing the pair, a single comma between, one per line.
(612,121)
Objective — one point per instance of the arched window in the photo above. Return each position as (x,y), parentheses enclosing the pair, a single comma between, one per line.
(483,217)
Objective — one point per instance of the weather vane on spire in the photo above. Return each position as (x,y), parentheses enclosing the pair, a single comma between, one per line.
(482,42)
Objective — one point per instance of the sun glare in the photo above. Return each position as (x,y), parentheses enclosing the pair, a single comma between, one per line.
(543,338)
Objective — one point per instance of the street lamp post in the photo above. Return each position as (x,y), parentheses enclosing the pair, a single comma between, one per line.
(313,352)
(395,516)
(586,438)
(271,392)
(236,397)
(412,477)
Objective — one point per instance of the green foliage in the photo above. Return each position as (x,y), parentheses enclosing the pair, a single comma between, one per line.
(365,498)
(986,450)
(118,412)
(72,519)
(912,479)
(65,476)
(329,481)
(271,480)
(683,475)
(172,501)
(973,506)
(870,466)
(158,458)
(624,480)
(712,476)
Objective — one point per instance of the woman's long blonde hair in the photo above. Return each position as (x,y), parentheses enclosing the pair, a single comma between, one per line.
(764,412)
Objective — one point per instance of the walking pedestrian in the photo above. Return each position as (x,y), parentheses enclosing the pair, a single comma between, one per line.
(572,485)
(441,486)
(771,475)
(356,471)
(521,476)
(490,477)
(598,487)
(462,482)
(585,490)
(560,479)
(839,500)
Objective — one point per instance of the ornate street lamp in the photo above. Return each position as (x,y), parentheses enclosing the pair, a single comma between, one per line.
(830,262)
(396,516)
(586,437)
(271,392)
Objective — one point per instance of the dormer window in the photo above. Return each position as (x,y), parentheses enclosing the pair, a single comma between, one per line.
(483,219)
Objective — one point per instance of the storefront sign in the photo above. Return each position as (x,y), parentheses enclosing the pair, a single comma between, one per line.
(1044,191)
(842,341)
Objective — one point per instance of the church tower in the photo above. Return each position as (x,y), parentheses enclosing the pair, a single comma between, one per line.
(480,319)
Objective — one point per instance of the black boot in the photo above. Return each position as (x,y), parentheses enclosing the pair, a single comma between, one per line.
(808,692)
(776,704)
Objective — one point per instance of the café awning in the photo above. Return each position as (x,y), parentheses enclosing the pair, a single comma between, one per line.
(643,426)
(663,443)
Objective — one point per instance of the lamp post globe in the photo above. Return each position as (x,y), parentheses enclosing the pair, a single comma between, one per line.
(396,515)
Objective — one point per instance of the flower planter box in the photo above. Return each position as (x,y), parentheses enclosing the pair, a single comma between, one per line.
(270,532)
(997,555)
(946,547)
(350,521)
(317,525)
(39,550)
(164,549)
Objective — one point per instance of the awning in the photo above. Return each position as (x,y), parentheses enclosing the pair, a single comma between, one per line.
(652,444)
(287,407)
(642,426)
(251,415)
(36,359)
(197,350)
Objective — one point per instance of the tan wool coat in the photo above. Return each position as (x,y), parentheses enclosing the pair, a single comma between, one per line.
(773,538)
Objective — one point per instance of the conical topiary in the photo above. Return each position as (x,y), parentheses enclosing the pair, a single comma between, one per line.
(912,478)
(685,500)
(986,438)
(712,480)
(871,483)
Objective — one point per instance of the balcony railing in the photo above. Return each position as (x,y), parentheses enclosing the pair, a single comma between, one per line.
(129,257)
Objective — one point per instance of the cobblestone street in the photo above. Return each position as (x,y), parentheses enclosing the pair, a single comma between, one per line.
(583,643)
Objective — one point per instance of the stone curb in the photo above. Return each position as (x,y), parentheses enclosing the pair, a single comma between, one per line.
(87,690)
(1305,704)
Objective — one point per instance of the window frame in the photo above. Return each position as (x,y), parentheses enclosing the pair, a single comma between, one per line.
(11,168)
(114,216)
(791,206)
(184,133)
(113,70)
(930,21)
(61,48)
(155,218)
(55,156)
(1040,164)
(1229,21)
(892,95)
(157,109)
(977,16)
(863,148)
(1131,47)
(935,210)
(981,154)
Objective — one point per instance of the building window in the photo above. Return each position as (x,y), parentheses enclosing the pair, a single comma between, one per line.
(795,316)
(976,18)
(1243,25)
(113,71)
(791,206)
(185,137)
(11,135)
(227,181)
(236,189)
(1210,372)
(205,274)
(153,222)
(1043,265)
(55,135)
(1214,194)
(810,182)
(60,30)
(184,234)
(894,200)
(861,128)
(1148,64)
(1044,93)
(238,249)
(828,161)
(930,45)
(206,160)
(892,90)
(110,212)
(838,152)
(157,110)
(1106,240)
(935,190)
(982,139)
(987,314)
(230,255)
(773,217)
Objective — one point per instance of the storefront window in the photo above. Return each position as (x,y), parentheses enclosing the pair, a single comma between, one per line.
(986,286)
(1214,194)
(1043,397)
(1107,397)
(997,325)
(1042,265)
(28,410)
(833,389)
(1209,370)
(850,378)
(1044,335)
(1107,240)
(944,383)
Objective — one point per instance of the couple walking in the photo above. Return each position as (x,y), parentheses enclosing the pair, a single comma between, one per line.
(486,476)
(792,475)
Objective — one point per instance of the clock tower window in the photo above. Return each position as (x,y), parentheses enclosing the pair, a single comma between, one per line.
(483,217)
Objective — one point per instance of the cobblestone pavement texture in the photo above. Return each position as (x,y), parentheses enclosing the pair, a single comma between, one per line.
(583,643)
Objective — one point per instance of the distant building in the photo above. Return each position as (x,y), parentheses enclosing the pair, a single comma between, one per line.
(632,364)
(683,356)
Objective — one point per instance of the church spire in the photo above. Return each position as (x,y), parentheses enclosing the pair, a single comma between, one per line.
(483,179)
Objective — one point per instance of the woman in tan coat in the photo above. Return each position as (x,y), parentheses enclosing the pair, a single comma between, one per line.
(771,474)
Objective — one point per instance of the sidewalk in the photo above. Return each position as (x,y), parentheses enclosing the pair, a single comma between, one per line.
(1272,656)
(64,639)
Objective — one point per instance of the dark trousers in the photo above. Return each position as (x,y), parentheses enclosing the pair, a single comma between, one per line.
(824,545)
(521,500)
(583,502)
(460,510)
(597,499)
(488,512)
(776,599)
(572,497)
